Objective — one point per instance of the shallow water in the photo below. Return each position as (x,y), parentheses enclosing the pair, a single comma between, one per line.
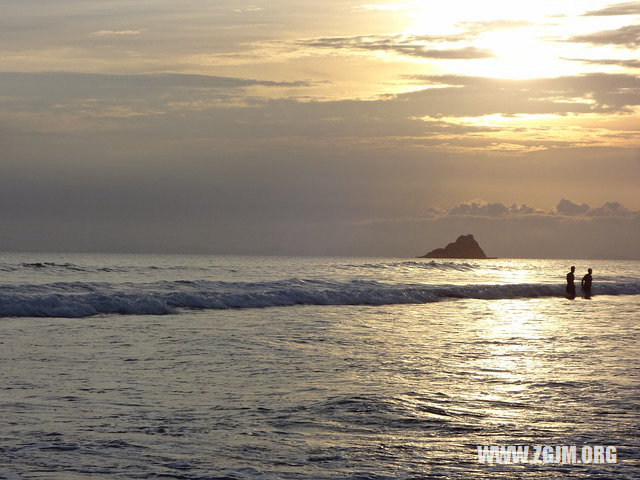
(403,390)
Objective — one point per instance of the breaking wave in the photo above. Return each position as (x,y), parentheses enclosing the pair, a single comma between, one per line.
(84,299)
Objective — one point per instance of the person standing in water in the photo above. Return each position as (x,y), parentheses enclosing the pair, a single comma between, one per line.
(586,284)
(571,287)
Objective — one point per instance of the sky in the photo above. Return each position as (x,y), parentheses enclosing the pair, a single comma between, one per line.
(320,128)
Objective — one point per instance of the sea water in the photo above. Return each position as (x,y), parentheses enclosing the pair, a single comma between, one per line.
(202,367)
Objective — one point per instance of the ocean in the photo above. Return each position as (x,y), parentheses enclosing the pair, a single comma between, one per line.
(211,367)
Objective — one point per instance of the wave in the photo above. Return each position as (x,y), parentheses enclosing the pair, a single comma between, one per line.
(84,299)
(58,267)
(41,266)
(54,267)
(428,265)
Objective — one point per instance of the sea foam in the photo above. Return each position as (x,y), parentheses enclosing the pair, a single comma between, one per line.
(83,299)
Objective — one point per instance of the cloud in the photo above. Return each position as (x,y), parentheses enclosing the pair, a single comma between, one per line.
(475,28)
(412,45)
(608,61)
(180,106)
(385,7)
(225,187)
(495,209)
(569,208)
(571,230)
(251,9)
(611,209)
(78,84)
(466,53)
(115,33)
(420,45)
(628,8)
(379,41)
(70,101)
(475,96)
(564,207)
(628,36)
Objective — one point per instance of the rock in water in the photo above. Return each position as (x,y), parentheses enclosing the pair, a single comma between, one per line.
(464,247)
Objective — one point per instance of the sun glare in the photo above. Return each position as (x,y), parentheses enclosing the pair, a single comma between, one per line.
(518,54)
(526,39)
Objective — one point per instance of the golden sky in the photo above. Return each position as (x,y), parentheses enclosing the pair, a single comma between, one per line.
(378,110)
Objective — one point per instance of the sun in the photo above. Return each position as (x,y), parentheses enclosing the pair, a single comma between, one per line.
(519,54)
(525,39)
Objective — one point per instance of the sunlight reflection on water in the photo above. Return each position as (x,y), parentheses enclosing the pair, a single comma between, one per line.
(324,391)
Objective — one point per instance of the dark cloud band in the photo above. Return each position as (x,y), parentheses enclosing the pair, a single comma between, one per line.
(628,36)
(628,8)
(413,46)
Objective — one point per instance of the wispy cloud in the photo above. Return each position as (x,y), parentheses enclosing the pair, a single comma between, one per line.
(628,36)
(607,61)
(384,7)
(469,96)
(227,108)
(628,8)
(251,9)
(66,80)
(409,45)
(115,33)
(492,25)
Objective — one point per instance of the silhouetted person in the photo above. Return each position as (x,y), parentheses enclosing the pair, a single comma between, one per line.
(571,287)
(586,284)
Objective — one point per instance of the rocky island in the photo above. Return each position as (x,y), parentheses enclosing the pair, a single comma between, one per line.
(464,247)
